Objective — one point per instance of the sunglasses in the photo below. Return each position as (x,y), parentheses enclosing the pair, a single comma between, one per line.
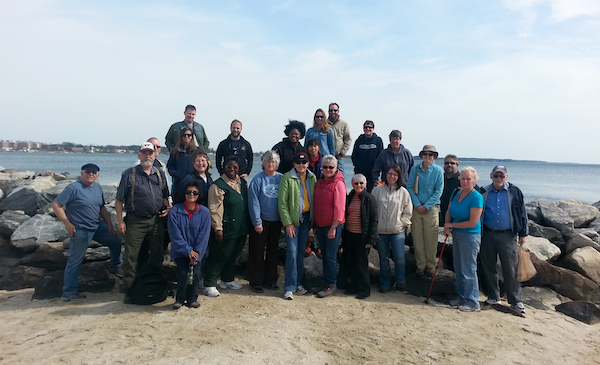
(328,167)
(319,117)
(192,192)
(499,176)
(333,110)
(358,183)
(368,127)
(428,154)
(187,135)
(450,163)
(90,172)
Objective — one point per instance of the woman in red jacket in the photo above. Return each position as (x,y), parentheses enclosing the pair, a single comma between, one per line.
(330,206)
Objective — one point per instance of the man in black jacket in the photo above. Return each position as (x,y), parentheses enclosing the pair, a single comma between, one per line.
(451,182)
(504,229)
(235,145)
(366,149)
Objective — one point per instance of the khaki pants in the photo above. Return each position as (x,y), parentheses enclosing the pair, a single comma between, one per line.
(424,232)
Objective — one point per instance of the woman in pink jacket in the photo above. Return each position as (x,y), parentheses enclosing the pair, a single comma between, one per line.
(329,217)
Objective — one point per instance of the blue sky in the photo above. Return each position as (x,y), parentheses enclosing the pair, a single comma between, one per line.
(515,79)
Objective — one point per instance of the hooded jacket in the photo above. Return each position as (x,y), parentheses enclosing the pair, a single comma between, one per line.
(395,209)
(330,200)
(289,200)
(387,158)
(188,234)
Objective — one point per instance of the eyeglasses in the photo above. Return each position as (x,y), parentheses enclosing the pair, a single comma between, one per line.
(319,117)
(368,127)
(450,163)
(187,135)
(300,162)
(358,183)
(392,174)
(328,167)
(157,147)
(499,176)
(192,192)
(90,172)
(428,154)
(334,110)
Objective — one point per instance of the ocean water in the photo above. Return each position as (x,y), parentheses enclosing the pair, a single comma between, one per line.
(537,180)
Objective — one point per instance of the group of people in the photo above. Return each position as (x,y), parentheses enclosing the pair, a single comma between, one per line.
(300,188)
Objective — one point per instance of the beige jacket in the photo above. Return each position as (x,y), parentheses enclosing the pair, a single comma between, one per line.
(216,195)
(395,209)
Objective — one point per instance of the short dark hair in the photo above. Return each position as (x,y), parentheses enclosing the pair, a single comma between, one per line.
(295,124)
(196,184)
(336,104)
(397,170)
(395,133)
(369,122)
(313,142)
(230,159)
(451,156)
(189,107)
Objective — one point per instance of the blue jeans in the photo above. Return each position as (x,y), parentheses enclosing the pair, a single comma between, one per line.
(294,258)
(329,250)
(79,244)
(464,251)
(395,242)
(184,291)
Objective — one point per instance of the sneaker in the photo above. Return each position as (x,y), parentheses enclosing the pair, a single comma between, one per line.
(455,303)
(420,272)
(468,308)
(75,297)
(429,272)
(300,290)
(177,305)
(490,301)
(330,290)
(211,291)
(288,295)
(230,285)
(519,308)
(116,271)
(194,305)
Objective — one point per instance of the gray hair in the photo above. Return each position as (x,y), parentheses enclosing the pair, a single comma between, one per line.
(359,178)
(472,170)
(330,159)
(268,156)
(452,157)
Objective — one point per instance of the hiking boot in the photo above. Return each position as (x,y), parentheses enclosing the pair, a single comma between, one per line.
(194,305)
(74,297)
(116,271)
(455,303)
(288,295)
(518,308)
(330,290)
(491,301)
(211,291)
(429,272)
(230,285)
(468,308)
(177,305)
(420,272)
(300,290)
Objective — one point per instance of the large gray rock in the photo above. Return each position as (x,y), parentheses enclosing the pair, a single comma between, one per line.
(1,194)
(595,225)
(563,281)
(542,248)
(313,272)
(444,284)
(52,174)
(557,218)
(10,221)
(38,230)
(97,254)
(585,261)
(583,214)
(542,298)
(21,277)
(41,183)
(590,233)
(110,193)
(10,179)
(26,200)
(51,193)
(46,257)
(585,312)
(579,241)
(93,278)
(550,233)
(533,210)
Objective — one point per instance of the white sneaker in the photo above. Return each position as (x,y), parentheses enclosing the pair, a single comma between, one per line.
(288,295)
(230,285)
(300,290)
(211,291)
(519,308)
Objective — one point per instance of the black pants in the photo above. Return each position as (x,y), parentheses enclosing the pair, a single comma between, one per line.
(356,257)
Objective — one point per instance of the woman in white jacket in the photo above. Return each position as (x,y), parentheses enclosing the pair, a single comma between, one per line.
(395,212)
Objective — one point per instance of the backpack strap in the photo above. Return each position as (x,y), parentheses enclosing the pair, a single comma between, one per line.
(133,184)
(454,192)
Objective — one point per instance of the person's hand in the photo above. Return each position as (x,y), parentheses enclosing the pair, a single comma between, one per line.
(245,176)
(193,262)
(219,236)
(290,230)
(331,233)
(521,241)
(421,209)
(122,227)
(111,229)
(164,213)
(258,229)
(447,229)
(193,255)
(70,229)
(368,245)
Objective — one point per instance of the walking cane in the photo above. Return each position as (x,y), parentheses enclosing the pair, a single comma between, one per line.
(436,270)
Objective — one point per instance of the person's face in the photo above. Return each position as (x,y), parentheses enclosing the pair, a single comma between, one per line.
(231,169)
(359,186)
(427,157)
(146,158)
(498,179)
(200,164)
(157,147)
(301,167)
(236,129)
(319,118)
(191,194)
(329,170)
(313,150)
(294,136)
(368,130)
(467,180)
(395,142)
(334,113)
(186,137)
(189,116)
(450,166)
(391,177)
(88,177)
(270,166)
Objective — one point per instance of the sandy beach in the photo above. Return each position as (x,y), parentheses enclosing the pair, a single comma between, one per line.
(243,327)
